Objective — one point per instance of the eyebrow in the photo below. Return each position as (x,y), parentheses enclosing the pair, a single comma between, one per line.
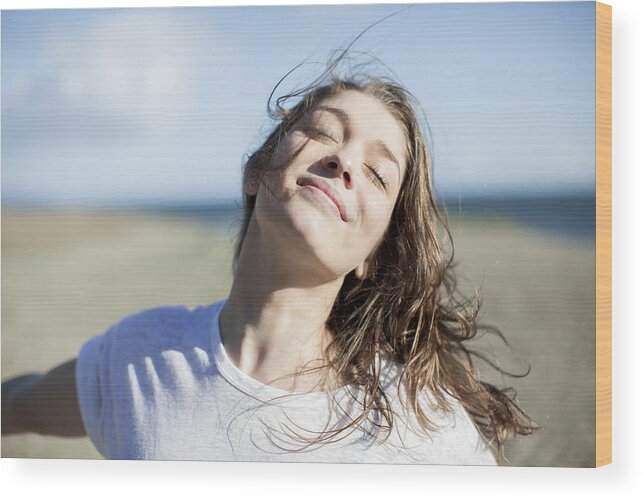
(381,146)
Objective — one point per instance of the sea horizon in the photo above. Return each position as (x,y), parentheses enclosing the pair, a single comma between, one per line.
(571,214)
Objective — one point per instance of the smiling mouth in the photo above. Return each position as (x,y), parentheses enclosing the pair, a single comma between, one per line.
(326,191)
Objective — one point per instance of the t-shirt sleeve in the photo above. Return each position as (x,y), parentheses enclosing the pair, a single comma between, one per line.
(457,440)
(117,375)
(477,450)
(90,392)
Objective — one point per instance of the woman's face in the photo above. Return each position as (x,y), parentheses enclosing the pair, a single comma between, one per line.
(332,202)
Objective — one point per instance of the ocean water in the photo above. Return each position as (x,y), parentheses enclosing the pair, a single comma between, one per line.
(571,216)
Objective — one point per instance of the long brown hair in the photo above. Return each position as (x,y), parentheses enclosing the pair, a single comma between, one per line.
(407,311)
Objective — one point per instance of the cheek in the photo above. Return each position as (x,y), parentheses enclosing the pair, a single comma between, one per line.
(289,149)
(376,220)
(276,172)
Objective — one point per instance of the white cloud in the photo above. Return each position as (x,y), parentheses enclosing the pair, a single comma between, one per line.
(137,63)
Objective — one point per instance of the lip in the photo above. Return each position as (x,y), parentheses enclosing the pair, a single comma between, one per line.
(328,190)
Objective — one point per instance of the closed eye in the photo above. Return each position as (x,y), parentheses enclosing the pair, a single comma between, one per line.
(316,133)
(376,176)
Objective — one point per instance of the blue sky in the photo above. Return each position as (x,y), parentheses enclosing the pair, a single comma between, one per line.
(161,105)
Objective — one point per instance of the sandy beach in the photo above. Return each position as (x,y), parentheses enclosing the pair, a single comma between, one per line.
(68,276)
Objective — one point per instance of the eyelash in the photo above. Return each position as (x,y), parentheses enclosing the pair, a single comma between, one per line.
(318,132)
(376,175)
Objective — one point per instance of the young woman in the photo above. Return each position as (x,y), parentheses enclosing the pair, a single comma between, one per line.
(340,341)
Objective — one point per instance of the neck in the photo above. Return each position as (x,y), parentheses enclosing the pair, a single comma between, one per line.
(274,322)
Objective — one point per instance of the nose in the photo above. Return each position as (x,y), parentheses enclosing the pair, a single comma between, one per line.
(340,167)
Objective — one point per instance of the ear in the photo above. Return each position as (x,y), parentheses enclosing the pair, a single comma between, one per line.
(361,271)
(251,184)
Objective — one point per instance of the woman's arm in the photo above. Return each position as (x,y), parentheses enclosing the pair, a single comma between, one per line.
(43,403)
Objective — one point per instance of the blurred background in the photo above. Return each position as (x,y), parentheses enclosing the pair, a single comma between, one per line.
(124,133)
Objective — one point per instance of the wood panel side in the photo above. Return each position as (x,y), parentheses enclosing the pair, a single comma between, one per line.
(603,234)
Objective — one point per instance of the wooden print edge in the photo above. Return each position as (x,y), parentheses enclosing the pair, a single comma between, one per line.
(603,234)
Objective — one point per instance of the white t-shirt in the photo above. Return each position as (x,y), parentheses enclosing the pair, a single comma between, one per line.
(159,385)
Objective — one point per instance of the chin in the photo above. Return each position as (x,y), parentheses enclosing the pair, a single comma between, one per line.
(309,237)
(318,233)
